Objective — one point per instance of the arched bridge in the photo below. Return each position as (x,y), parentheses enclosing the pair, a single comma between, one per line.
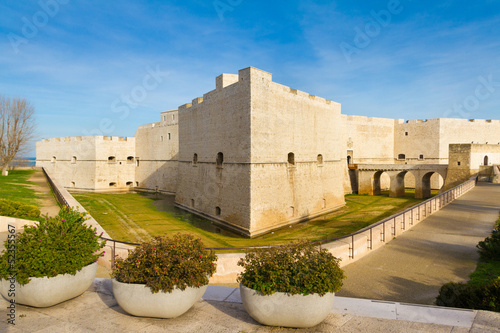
(369,178)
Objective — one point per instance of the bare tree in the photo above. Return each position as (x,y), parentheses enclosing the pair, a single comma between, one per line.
(17,129)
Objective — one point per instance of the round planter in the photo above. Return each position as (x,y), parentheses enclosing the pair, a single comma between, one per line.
(282,309)
(138,300)
(48,291)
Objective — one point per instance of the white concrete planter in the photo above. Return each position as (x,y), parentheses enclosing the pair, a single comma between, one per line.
(45,291)
(138,300)
(282,309)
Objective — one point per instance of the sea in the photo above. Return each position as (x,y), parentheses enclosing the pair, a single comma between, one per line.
(23,162)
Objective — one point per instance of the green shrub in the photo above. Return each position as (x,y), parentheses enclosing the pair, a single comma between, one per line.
(18,209)
(300,268)
(462,295)
(58,245)
(167,263)
(489,249)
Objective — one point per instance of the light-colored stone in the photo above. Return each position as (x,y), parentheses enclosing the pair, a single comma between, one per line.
(45,292)
(282,309)
(139,300)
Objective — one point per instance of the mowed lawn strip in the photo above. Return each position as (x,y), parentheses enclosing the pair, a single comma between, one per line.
(16,187)
(133,217)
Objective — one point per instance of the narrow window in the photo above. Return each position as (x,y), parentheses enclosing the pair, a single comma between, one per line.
(406,133)
(136,183)
(291,159)
(323,203)
(130,184)
(112,184)
(173,116)
(485,160)
(111,159)
(130,159)
(320,159)
(73,159)
(458,163)
(164,118)
(192,203)
(195,159)
(401,156)
(169,136)
(137,161)
(220,159)
(161,138)
(53,160)
(217,211)
(291,211)
(348,159)
(421,157)
(72,184)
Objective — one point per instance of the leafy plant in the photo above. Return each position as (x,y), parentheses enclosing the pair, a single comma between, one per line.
(167,263)
(58,245)
(18,209)
(300,268)
(462,295)
(489,249)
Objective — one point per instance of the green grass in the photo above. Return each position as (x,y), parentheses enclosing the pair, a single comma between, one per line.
(486,270)
(15,187)
(135,217)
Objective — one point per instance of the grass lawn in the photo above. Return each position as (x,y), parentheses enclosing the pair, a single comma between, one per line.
(137,216)
(486,270)
(16,187)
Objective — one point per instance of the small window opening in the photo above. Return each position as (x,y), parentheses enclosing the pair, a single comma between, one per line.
(72,184)
(137,161)
(291,211)
(169,136)
(348,159)
(192,203)
(111,159)
(161,138)
(485,160)
(458,163)
(73,159)
(195,159)
(401,156)
(320,159)
(112,184)
(173,116)
(220,159)
(406,133)
(323,204)
(291,158)
(421,157)
(130,159)
(53,160)
(130,184)
(217,211)
(136,183)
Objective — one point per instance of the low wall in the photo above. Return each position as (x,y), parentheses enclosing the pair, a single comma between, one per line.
(348,248)
(17,223)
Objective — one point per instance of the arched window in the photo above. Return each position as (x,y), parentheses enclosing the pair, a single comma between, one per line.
(320,159)
(111,159)
(195,159)
(220,159)
(73,159)
(348,159)
(401,157)
(291,158)
(217,211)
(486,160)
(130,159)
(53,160)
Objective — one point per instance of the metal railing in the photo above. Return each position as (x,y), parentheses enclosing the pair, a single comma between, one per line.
(406,218)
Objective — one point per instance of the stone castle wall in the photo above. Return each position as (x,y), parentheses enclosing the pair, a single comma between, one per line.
(89,163)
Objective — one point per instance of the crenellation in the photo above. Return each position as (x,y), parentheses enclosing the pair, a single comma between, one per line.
(227,154)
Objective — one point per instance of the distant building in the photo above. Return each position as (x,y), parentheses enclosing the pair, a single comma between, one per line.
(254,155)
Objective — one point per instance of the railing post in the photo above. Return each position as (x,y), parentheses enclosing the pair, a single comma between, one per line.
(113,251)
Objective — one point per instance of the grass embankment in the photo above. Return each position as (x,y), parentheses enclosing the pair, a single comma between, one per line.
(17,187)
(487,270)
(134,217)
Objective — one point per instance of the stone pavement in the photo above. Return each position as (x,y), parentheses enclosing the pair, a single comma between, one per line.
(440,249)
(221,310)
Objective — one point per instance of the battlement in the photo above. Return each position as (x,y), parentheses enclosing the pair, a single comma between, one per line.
(86,138)
(365,118)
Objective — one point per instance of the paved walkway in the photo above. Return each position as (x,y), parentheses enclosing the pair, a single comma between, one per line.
(48,202)
(221,311)
(440,249)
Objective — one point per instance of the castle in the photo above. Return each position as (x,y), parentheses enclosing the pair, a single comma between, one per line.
(255,155)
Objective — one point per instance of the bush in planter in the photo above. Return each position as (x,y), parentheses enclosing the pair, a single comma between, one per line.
(58,245)
(300,268)
(167,263)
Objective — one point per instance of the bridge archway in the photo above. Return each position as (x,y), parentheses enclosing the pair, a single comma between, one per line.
(424,184)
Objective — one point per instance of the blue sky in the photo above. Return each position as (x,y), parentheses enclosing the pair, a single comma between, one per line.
(103,68)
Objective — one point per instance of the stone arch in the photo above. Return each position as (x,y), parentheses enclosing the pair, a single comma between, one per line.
(376,182)
(397,183)
(485,160)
